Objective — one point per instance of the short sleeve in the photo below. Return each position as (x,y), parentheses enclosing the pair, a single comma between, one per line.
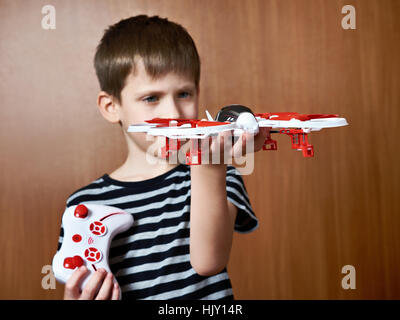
(60,238)
(246,220)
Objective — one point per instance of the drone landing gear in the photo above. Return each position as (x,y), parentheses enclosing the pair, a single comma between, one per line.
(193,155)
(170,145)
(299,141)
(270,144)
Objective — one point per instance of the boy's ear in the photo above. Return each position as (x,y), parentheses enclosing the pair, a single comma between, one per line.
(108,107)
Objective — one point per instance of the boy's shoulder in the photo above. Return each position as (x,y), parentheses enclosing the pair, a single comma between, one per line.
(92,188)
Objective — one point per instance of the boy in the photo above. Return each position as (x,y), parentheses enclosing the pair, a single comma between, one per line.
(149,67)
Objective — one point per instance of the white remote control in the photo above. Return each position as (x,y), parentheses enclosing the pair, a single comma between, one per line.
(88,231)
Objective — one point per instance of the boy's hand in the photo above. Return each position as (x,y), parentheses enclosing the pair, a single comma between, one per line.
(239,148)
(99,287)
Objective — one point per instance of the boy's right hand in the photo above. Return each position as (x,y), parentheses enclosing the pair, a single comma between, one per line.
(99,287)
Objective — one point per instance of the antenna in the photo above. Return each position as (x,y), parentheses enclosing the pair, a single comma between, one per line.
(209,116)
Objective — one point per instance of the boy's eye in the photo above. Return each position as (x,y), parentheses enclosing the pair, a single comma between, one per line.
(184,94)
(150,99)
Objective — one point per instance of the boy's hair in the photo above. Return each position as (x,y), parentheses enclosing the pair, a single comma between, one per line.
(163,45)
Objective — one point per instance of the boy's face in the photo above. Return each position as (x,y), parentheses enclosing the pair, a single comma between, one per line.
(144,98)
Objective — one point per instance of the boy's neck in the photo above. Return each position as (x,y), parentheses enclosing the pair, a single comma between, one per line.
(140,166)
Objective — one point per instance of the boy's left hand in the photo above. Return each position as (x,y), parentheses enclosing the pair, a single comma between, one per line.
(239,148)
(218,145)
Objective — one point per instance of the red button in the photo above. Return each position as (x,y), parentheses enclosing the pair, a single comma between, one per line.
(97,228)
(68,264)
(81,211)
(93,255)
(72,263)
(78,261)
(76,238)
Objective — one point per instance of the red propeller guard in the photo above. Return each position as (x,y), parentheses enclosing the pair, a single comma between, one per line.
(294,115)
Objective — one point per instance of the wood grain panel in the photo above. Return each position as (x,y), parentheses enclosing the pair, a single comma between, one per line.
(316,215)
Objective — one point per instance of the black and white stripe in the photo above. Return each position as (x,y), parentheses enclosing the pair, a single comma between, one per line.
(151,260)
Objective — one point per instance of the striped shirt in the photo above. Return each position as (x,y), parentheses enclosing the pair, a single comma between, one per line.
(151,260)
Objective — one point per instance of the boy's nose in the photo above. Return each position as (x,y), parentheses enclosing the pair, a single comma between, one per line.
(172,110)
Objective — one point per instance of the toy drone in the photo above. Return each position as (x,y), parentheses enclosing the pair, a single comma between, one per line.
(239,119)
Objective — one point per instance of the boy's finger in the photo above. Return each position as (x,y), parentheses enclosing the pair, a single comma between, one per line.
(72,285)
(205,143)
(115,292)
(260,138)
(106,288)
(93,285)
(220,145)
(225,141)
(239,148)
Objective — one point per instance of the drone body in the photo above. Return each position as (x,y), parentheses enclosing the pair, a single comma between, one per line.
(238,119)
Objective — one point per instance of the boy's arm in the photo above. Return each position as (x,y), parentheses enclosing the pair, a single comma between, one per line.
(212,216)
(212,219)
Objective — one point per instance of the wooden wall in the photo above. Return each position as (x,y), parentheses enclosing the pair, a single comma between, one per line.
(316,215)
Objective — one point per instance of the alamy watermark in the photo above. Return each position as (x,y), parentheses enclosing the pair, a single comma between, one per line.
(349,280)
(349,20)
(49,280)
(211,150)
(49,19)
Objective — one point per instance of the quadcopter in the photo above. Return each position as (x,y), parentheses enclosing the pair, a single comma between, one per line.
(239,119)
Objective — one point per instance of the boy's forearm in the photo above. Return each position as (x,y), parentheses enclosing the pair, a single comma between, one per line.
(211,223)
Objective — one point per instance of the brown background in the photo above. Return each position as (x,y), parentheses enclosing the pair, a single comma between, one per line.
(316,215)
